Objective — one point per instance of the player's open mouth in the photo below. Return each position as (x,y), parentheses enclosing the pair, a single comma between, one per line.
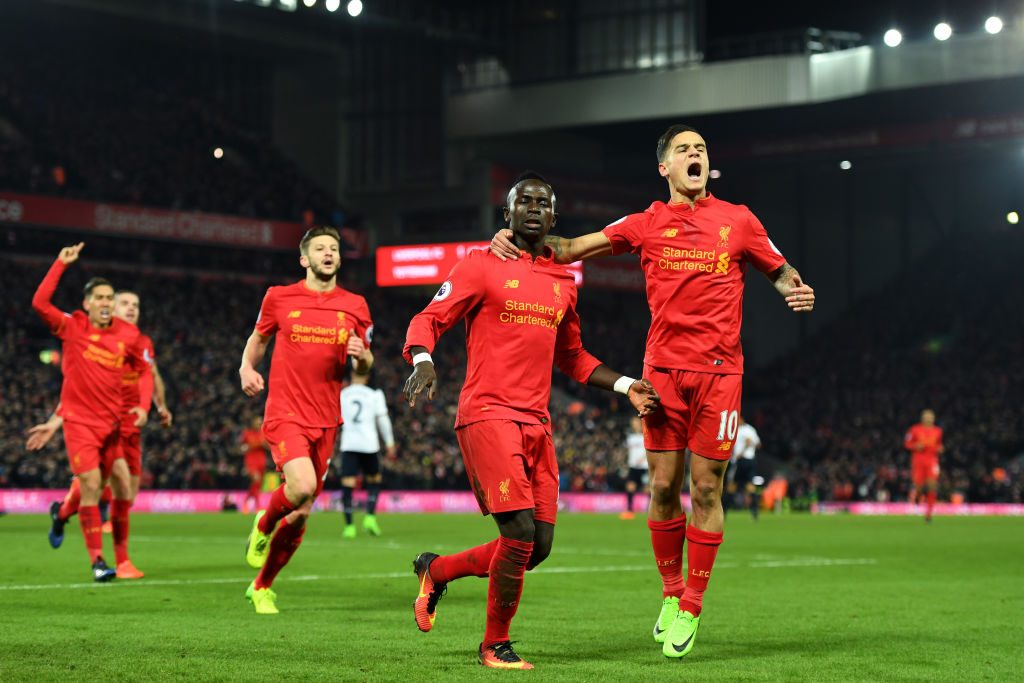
(693,171)
(532,223)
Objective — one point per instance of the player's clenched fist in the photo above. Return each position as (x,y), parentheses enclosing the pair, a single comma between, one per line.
(69,255)
(252,381)
(422,377)
(643,397)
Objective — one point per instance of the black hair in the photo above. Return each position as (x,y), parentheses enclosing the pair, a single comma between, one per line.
(95,282)
(529,175)
(318,231)
(666,138)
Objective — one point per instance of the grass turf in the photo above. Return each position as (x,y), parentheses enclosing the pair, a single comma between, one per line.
(792,598)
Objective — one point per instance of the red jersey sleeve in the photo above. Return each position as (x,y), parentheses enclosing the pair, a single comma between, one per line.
(364,324)
(570,356)
(146,380)
(760,250)
(54,318)
(266,323)
(909,439)
(461,292)
(627,233)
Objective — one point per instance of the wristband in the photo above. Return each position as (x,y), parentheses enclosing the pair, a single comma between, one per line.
(420,357)
(623,384)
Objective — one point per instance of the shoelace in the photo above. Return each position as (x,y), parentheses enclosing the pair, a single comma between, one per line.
(505,653)
(436,594)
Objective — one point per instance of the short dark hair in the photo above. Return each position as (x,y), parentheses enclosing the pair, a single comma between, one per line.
(95,282)
(529,175)
(666,138)
(318,231)
(119,292)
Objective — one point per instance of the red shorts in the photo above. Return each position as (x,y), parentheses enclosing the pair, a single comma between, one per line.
(289,441)
(256,462)
(699,411)
(923,470)
(131,446)
(90,448)
(511,466)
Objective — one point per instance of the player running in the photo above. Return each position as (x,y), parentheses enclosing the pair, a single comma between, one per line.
(924,441)
(636,461)
(744,466)
(366,423)
(138,389)
(520,318)
(317,325)
(693,251)
(254,448)
(96,348)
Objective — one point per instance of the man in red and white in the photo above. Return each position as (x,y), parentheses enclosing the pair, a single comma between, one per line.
(924,441)
(316,326)
(694,251)
(520,319)
(97,346)
(137,389)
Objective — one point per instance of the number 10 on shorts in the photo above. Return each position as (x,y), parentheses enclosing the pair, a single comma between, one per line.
(730,423)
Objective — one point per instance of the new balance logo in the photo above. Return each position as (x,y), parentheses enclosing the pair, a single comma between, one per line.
(671,232)
(294,314)
(511,284)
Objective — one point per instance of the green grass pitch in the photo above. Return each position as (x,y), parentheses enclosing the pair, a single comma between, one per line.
(794,598)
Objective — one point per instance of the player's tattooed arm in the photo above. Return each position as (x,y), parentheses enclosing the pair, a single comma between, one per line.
(798,294)
(566,250)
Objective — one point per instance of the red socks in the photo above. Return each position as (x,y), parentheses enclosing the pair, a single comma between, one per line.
(700,558)
(254,491)
(278,507)
(284,544)
(931,503)
(667,540)
(92,530)
(508,565)
(70,504)
(473,562)
(119,520)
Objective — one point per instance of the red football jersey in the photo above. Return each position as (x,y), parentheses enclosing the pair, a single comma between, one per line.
(929,437)
(254,441)
(520,318)
(310,349)
(137,387)
(93,360)
(693,261)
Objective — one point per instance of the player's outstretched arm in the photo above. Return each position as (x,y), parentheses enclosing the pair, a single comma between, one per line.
(640,392)
(422,377)
(798,294)
(40,434)
(566,250)
(255,349)
(41,300)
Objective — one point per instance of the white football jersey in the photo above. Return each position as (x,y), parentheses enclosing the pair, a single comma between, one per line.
(365,413)
(637,458)
(747,442)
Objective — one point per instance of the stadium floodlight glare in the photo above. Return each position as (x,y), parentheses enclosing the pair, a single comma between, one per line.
(892,37)
(218,152)
(308,3)
(942,31)
(1013,218)
(332,5)
(993,25)
(354,7)
(845,165)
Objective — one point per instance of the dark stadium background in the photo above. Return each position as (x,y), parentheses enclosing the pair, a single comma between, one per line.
(404,124)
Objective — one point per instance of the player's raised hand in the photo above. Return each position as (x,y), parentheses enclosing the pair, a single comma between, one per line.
(166,417)
(502,247)
(252,381)
(40,435)
(69,255)
(422,377)
(644,397)
(141,417)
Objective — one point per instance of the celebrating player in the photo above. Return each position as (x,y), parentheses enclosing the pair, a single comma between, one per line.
(317,326)
(138,389)
(520,317)
(366,422)
(924,441)
(636,460)
(693,251)
(96,347)
(254,447)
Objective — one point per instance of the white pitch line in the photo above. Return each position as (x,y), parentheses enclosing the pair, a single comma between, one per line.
(798,562)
